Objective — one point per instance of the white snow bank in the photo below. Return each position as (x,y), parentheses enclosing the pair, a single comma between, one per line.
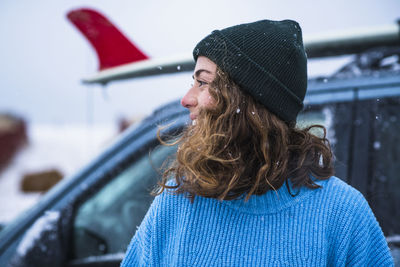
(66,148)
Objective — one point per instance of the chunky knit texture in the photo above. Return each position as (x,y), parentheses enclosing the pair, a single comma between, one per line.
(329,226)
(266,58)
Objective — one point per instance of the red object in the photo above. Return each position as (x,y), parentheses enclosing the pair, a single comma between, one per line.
(111,45)
(13,136)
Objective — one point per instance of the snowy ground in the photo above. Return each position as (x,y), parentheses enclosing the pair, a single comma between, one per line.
(66,148)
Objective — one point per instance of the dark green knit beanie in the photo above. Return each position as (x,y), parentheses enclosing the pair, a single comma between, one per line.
(266,59)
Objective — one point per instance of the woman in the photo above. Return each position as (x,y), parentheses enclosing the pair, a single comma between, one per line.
(248,188)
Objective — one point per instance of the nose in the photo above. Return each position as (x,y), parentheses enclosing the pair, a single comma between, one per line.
(189,100)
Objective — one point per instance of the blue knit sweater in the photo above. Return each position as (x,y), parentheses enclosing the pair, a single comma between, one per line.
(332,225)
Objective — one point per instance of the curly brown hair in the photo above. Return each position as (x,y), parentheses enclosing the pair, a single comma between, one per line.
(238,148)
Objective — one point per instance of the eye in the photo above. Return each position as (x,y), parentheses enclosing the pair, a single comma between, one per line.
(201,83)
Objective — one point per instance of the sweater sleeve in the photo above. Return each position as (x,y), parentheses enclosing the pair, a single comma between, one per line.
(139,249)
(363,242)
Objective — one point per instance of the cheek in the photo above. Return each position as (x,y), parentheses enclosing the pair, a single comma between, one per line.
(208,100)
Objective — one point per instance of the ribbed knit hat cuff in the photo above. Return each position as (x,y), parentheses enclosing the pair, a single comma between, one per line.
(244,71)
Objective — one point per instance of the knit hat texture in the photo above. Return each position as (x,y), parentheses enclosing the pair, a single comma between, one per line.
(266,59)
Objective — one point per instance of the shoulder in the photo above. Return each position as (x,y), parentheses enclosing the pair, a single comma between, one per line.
(341,194)
(337,185)
(344,205)
(353,229)
(155,230)
(169,204)
(349,211)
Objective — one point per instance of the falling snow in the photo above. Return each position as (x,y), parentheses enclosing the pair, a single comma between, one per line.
(377,145)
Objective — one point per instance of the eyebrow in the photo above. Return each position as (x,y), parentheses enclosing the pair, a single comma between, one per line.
(197,73)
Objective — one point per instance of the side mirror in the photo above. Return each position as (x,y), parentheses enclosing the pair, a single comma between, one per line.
(42,243)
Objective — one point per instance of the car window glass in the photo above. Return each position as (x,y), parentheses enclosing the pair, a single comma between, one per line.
(106,222)
(324,116)
(312,117)
(337,119)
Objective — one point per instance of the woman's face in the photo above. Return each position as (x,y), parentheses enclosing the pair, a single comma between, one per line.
(198,96)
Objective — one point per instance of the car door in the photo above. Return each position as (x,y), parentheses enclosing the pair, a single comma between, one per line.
(104,222)
(381,163)
(89,218)
(363,127)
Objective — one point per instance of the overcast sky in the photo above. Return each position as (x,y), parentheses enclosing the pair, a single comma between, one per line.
(43,57)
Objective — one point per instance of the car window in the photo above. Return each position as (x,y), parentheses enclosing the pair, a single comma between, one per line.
(105,223)
(41,244)
(337,120)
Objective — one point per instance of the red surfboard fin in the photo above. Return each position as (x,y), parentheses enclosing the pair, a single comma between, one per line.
(111,45)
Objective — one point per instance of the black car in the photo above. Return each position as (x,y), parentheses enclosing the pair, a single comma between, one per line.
(89,219)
